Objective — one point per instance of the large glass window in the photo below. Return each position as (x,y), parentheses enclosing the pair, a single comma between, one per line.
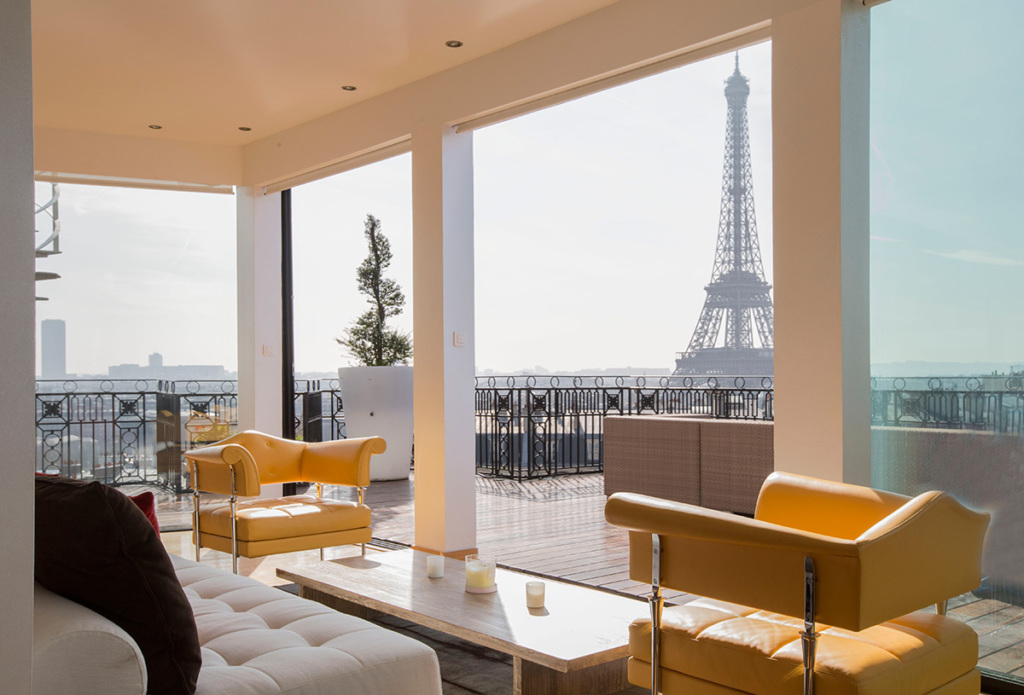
(598,221)
(623,238)
(328,245)
(137,348)
(146,285)
(947,274)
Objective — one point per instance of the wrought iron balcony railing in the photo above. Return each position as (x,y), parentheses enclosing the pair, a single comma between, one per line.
(988,404)
(531,426)
(134,431)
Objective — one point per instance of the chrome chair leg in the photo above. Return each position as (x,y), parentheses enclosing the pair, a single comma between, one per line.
(657,603)
(234,525)
(195,509)
(361,492)
(320,494)
(809,638)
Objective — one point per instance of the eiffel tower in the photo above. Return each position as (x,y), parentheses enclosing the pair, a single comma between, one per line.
(737,291)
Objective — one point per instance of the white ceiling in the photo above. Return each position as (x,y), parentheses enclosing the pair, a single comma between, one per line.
(203,68)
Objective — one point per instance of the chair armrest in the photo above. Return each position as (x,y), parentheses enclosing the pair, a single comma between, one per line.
(926,552)
(736,559)
(650,515)
(341,462)
(211,468)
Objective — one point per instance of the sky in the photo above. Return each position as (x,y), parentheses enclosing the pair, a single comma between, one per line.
(141,271)
(596,221)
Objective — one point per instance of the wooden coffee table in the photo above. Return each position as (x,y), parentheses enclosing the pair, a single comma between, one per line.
(576,644)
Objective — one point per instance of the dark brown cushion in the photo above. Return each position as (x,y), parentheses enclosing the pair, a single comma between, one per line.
(94,546)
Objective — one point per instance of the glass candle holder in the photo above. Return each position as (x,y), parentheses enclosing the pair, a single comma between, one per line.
(534,594)
(435,566)
(480,574)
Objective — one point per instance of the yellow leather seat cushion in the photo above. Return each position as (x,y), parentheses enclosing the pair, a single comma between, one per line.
(760,652)
(285,517)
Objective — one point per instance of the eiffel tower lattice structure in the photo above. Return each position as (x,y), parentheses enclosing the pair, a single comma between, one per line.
(738,292)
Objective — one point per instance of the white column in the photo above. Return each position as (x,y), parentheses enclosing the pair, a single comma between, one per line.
(259,310)
(17,345)
(259,314)
(820,91)
(442,194)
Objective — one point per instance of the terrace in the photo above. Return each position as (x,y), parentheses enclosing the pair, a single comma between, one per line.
(236,98)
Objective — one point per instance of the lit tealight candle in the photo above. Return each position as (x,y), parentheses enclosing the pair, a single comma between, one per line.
(479,574)
(534,594)
(435,566)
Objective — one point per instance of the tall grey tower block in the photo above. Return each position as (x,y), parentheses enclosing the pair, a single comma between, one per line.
(54,349)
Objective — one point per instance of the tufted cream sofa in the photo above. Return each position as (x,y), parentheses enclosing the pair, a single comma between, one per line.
(255,640)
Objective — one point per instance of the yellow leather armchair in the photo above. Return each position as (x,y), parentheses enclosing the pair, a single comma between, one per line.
(817,590)
(239,465)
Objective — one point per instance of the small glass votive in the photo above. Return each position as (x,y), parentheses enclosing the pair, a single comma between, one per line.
(435,566)
(534,594)
(480,574)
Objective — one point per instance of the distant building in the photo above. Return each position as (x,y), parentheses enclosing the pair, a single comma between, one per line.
(54,349)
(157,370)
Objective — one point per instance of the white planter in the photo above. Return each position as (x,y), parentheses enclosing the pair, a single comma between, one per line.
(378,402)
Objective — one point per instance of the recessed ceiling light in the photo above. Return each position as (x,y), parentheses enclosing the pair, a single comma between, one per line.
(244,128)
(348,87)
(156,127)
(453,44)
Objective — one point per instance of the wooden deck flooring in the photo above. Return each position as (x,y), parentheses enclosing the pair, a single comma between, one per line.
(556,527)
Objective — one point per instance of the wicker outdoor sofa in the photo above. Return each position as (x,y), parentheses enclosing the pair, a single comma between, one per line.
(714,463)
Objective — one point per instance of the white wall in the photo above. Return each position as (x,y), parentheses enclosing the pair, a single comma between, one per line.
(17,345)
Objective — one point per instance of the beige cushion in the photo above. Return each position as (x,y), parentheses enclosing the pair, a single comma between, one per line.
(285,517)
(76,651)
(760,652)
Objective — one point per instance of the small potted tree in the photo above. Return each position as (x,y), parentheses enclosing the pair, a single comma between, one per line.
(377,394)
